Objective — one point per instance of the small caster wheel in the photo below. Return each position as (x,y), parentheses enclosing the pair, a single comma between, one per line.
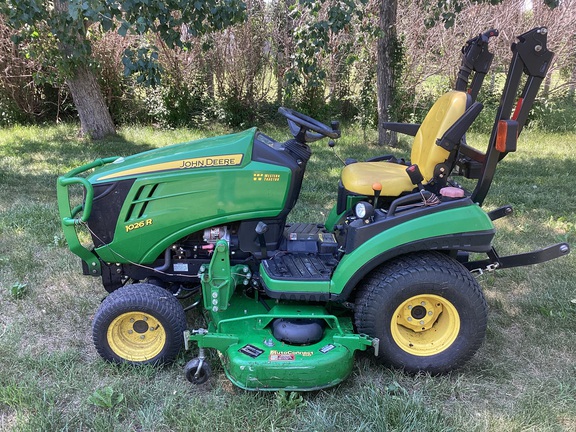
(197,371)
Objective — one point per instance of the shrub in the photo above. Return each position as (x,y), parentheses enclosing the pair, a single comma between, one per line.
(554,114)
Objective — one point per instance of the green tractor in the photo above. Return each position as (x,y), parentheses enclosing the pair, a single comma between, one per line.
(203,224)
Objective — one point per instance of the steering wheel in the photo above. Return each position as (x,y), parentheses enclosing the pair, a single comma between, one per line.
(300,126)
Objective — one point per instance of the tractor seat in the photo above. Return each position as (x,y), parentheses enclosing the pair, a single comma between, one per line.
(359,177)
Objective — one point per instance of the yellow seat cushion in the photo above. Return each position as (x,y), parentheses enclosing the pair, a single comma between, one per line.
(359,177)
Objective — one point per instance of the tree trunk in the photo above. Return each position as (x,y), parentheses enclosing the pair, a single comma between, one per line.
(547,85)
(95,119)
(384,71)
(209,73)
(572,85)
(279,85)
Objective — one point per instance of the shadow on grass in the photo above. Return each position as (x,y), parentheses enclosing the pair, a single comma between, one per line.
(57,147)
(543,184)
(33,160)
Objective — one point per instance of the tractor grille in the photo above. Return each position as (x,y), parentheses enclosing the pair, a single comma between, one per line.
(106,205)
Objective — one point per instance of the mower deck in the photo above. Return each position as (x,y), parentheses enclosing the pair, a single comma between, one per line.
(253,359)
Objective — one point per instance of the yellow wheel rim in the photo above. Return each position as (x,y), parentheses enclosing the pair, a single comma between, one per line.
(136,336)
(425,325)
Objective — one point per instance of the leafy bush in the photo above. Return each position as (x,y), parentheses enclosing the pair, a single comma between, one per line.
(236,112)
(9,115)
(187,104)
(555,114)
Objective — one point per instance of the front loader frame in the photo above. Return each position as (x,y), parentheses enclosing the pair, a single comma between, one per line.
(531,60)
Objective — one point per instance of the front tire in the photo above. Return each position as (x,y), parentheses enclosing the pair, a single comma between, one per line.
(427,310)
(139,324)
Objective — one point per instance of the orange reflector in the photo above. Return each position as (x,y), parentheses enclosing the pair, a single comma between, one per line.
(501,136)
(506,136)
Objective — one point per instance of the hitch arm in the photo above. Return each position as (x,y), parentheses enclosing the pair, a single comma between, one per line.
(535,257)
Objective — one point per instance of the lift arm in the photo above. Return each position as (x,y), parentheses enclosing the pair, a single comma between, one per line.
(532,58)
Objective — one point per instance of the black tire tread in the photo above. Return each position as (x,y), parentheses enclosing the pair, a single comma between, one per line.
(376,287)
(151,299)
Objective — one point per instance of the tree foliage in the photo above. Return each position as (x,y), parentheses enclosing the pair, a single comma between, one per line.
(65,32)
(325,36)
(242,61)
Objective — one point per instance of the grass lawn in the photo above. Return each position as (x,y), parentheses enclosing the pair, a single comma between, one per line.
(522,379)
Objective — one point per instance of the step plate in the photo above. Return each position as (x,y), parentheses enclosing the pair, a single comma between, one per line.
(300,266)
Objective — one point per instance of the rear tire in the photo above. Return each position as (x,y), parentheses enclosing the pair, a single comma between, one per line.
(139,324)
(427,310)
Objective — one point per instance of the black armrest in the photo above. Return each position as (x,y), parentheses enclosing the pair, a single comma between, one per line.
(388,158)
(405,128)
(454,134)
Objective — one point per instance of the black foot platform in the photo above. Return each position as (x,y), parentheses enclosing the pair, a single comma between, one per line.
(300,266)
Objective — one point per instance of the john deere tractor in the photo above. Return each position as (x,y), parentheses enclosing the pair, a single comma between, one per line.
(203,224)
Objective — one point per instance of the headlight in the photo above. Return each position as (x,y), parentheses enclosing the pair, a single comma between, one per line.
(363,210)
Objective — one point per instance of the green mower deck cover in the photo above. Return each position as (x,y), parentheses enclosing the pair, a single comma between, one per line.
(254,360)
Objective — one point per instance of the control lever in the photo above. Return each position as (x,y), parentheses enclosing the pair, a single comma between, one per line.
(332,144)
(377,188)
(335,125)
(261,229)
